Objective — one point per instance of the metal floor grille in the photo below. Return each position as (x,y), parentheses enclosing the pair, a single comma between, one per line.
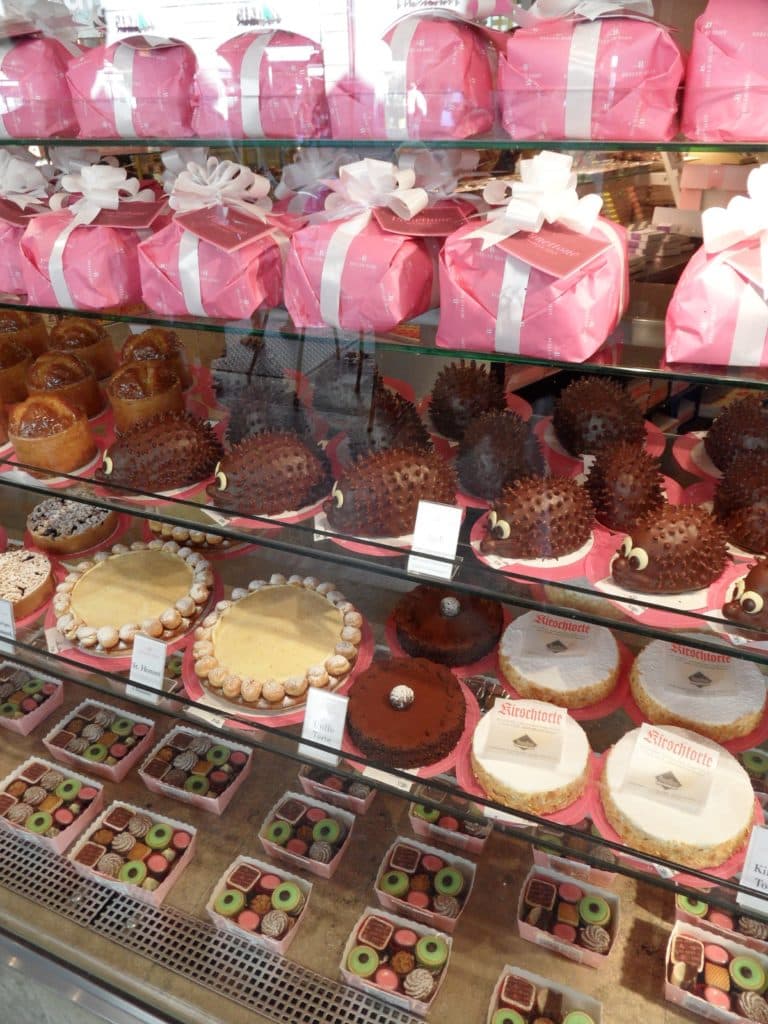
(228,965)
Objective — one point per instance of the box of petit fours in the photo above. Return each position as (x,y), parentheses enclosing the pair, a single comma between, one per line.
(729,924)
(134,850)
(257,902)
(397,960)
(352,794)
(720,979)
(26,698)
(49,806)
(424,883)
(438,824)
(575,919)
(520,996)
(102,739)
(196,768)
(307,833)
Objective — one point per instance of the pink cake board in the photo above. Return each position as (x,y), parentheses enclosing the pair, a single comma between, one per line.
(702,493)
(289,716)
(551,570)
(160,498)
(123,524)
(690,454)
(275,522)
(210,553)
(368,546)
(563,464)
(461,750)
(56,483)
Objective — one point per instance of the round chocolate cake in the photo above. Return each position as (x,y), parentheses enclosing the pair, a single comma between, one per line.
(445,626)
(671,550)
(462,392)
(497,449)
(406,712)
(392,422)
(742,427)
(266,405)
(746,602)
(539,518)
(624,483)
(592,411)
(741,502)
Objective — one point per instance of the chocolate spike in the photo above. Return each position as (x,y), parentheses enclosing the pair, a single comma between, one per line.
(593,411)
(497,449)
(624,483)
(461,393)
(741,427)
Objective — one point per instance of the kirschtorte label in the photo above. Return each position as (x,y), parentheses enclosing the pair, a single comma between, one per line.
(671,769)
(551,637)
(704,672)
(524,733)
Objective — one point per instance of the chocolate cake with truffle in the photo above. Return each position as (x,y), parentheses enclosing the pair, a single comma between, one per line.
(462,392)
(746,602)
(624,483)
(539,518)
(267,404)
(445,626)
(741,502)
(671,550)
(270,474)
(406,712)
(165,453)
(497,449)
(380,494)
(593,411)
(742,427)
(392,422)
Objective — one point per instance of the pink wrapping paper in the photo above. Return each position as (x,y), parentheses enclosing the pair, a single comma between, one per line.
(638,70)
(11,274)
(726,95)
(387,278)
(446,92)
(34,99)
(563,318)
(717,316)
(289,97)
(131,89)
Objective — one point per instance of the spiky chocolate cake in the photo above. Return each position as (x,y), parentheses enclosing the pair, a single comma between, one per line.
(741,427)
(624,483)
(741,502)
(497,449)
(539,518)
(392,422)
(462,392)
(593,411)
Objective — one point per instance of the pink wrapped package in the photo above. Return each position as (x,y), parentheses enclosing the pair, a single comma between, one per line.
(579,79)
(544,277)
(23,195)
(437,84)
(34,99)
(140,87)
(263,85)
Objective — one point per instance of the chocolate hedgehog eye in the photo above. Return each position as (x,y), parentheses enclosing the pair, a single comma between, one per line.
(502,529)
(638,559)
(751,602)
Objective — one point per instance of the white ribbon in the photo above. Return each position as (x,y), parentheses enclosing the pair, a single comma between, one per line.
(72,160)
(438,171)
(175,161)
(551,10)
(221,183)
(580,84)
(744,219)
(120,86)
(250,85)
(21,182)
(310,166)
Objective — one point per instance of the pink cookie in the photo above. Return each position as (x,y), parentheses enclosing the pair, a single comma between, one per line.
(569,892)
(717,997)
(720,919)
(315,814)
(430,862)
(418,899)
(716,954)
(248,920)
(449,823)
(385,977)
(564,932)
(297,846)
(269,883)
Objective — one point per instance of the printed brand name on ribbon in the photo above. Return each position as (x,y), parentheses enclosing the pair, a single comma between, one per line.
(670,769)
(524,733)
(549,636)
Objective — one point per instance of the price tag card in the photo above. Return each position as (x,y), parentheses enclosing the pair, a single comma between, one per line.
(705,671)
(670,770)
(209,717)
(147,668)
(324,719)
(7,627)
(526,734)
(755,872)
(395,781)
(55,641)
(436,533)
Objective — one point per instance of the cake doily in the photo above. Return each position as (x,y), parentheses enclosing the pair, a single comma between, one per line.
(691,455)
(568,567)
(564,464)
(122,526)
(272,522)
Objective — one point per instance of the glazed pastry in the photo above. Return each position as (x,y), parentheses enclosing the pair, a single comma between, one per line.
(741,502)
(158,344)
(392,422)
(670,551)
(746,602)
(28,329)
(139,391)
(66,376)
(15,361)
(88,340)
(624,483)
(742,427)
(48,434)
(497,449)
(267,404)
(66,527)
(593,411)
(461,393)
(539,518)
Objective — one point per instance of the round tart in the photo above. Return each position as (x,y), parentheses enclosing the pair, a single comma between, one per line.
(88,340)
(66,376)
(26,580)
(49,434)
(15,360)
(266,646)
(157,589)
(139,391)
(529,783)
(406,712)
(568,663)
(711,694)
(158,344)
(66,527)
(448,627)
(28,329)
(703,838)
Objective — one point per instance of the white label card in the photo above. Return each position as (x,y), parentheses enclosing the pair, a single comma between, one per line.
(395,781)
(435,533)
(526,734)
(55,641)
(668,769)
(551,637)
(755,872)
(702,671)
(147,668)
(209,717)
(7,627)
(325,716)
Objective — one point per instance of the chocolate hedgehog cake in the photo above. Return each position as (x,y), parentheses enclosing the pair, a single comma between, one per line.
(392,422)
(539,518)
(741,502)
(741,427)
(462,392)
(592,411)
(624,483)
(445,626)
(746,602)
(497,449)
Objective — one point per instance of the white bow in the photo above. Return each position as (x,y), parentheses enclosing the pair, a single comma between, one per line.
(310,166)
(221,183)
(100,188)
(438,171)
(367,184)
(21,182)
(743,219)
(550,10)
(176,160)
(546,193)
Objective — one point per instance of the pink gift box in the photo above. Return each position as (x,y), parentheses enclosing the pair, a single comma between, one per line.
(565,318)
(23,726)
(573,1000)
(572,79)
(330,795)
(137,88)
(718,930)
(438,85)
(726,90)
(263,85)
(306,863)
(67,835)
(113,772)
(34,99)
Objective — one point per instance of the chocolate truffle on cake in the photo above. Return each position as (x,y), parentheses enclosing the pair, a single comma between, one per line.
(379,495)
(741,427)
(746,602)
(592,411)
(741,502)
(539,518)
(268,404)
(462,392)
(497,449)
(445,626)
(392,422)
(167,452)
(269,474)
(624,483)
(671,550)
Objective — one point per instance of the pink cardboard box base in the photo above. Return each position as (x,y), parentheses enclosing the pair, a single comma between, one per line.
(437,834)
(23,726)
(228,925)
(573,868)
(112,772)
(353,804)
(572,999)
(305,863)
(689,920)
